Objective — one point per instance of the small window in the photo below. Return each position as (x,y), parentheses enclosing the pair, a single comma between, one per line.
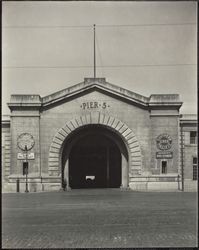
(195,168)
(195,160)
(193,137)
(164,167)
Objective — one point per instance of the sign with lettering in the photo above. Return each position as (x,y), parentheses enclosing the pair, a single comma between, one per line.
(94,105)
(164,142)
(30,156)
(90,177)
(164,155)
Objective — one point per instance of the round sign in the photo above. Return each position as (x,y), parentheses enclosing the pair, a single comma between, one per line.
(164,141)
(25,141)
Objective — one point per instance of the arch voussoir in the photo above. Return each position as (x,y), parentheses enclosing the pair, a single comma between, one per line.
(57,140)
(115,123)
(88,118)
(119,126)
(101,118)
(70,126)
(131,139)
(110,122)
(60,137)
(74,123)
(134,145)
(135,159)
(63,132)
(123,129)
(106,119)
(94,118)
(79,121)
(54,155)
(66,129)
(83,119)
(126,132)
(53,149)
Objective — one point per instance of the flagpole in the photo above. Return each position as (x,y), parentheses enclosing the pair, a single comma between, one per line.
(94,53)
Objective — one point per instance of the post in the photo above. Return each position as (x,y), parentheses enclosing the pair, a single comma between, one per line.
(26,190)
(42,185)
(17,184)
(178,180)
(182,157)
(94,53)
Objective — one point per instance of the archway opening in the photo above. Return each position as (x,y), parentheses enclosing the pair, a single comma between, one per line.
(94,162)
(93,159)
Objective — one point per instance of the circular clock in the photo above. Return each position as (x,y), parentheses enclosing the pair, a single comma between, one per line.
(25,141)
(164,142)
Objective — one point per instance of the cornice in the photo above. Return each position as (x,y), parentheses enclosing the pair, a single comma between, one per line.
(168,101)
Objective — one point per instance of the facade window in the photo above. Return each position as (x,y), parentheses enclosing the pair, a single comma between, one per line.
(195,168)
(193,137)
(164,167)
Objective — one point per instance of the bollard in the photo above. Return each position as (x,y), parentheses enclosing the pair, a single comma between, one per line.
(178,179)
(17,185)
(64,185)
(42,185)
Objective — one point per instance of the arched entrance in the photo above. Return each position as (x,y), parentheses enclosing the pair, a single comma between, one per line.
(92,157)
(121,135)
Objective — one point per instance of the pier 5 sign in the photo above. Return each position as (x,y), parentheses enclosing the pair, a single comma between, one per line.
(94,105)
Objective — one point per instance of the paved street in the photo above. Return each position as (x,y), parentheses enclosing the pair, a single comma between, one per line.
(99,218)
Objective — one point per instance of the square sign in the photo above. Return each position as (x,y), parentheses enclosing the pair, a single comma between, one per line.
(164,155)
(22,156)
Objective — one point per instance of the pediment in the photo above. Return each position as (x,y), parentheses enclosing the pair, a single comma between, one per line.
(90,85)
(155,101)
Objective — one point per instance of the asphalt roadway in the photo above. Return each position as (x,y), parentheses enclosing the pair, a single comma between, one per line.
(99,218)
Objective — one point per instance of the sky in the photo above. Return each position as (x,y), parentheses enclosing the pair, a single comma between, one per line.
(146,47)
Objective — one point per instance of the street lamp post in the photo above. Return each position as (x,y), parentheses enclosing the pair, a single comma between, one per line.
(182,158)
(26,169)
(25,142)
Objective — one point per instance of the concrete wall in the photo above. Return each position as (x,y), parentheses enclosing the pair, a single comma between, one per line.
(146,117)
(189,153)
(5,151)
(165,125)
(25,122)
(134,117)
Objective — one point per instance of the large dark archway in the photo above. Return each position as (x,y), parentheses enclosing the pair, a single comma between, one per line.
(94,158)
(122,135)
(95,162)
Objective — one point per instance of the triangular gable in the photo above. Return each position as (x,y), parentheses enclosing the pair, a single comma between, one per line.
(159,101)
(90,84)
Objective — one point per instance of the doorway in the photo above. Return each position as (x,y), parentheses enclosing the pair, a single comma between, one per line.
(95,162)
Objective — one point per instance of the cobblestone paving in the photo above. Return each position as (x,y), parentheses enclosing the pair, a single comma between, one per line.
(99,218)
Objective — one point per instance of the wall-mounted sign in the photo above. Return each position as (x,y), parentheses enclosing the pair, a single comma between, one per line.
(90,177)
(25,141)
(164,155)
(21,156)
(164,142)
(94,105)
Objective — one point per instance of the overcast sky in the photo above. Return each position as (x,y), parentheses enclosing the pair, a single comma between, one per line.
(146,47)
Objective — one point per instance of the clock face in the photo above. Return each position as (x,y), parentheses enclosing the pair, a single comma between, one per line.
(164,142)
(25,141)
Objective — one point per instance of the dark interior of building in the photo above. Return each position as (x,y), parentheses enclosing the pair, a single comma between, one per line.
(95,162)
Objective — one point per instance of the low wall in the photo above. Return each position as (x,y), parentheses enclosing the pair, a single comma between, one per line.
(155,183)
(35,184)
(139,183)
